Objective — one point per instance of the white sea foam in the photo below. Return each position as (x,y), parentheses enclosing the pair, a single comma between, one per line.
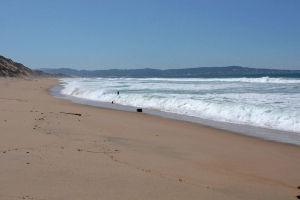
(235,100)
(244,79)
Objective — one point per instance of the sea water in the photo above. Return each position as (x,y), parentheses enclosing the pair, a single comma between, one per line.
(269,106)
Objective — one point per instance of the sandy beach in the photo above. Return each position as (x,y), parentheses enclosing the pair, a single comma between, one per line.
(51,148)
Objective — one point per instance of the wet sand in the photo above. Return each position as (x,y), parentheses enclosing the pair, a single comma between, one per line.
(49,152)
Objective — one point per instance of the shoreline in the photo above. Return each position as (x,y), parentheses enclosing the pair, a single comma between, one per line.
(111,154)
(290,137)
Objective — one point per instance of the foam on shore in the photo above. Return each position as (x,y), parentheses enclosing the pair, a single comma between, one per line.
(253,131)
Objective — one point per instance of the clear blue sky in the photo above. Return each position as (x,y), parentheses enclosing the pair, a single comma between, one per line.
(160,34)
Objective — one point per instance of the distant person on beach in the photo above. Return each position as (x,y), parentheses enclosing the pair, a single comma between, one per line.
(118,92)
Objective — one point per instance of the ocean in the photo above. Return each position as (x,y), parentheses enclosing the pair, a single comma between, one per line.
(264,107)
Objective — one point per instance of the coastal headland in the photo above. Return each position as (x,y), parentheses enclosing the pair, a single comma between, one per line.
(51,148)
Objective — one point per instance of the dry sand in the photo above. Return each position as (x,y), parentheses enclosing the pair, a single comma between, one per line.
(109,154)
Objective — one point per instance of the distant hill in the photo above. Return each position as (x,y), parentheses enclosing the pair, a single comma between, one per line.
(230,70)
(9,68)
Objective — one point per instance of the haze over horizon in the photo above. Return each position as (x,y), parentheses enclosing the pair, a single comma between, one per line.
(97,35)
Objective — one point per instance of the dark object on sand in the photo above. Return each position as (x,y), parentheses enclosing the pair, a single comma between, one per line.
(298,196)
(112,102)
(71,113)
(139,110)
(298,187)
(118,92)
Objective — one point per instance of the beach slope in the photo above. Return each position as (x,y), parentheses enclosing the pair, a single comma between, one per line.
(51,148)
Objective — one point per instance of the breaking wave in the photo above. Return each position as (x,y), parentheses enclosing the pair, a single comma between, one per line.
(231,100)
